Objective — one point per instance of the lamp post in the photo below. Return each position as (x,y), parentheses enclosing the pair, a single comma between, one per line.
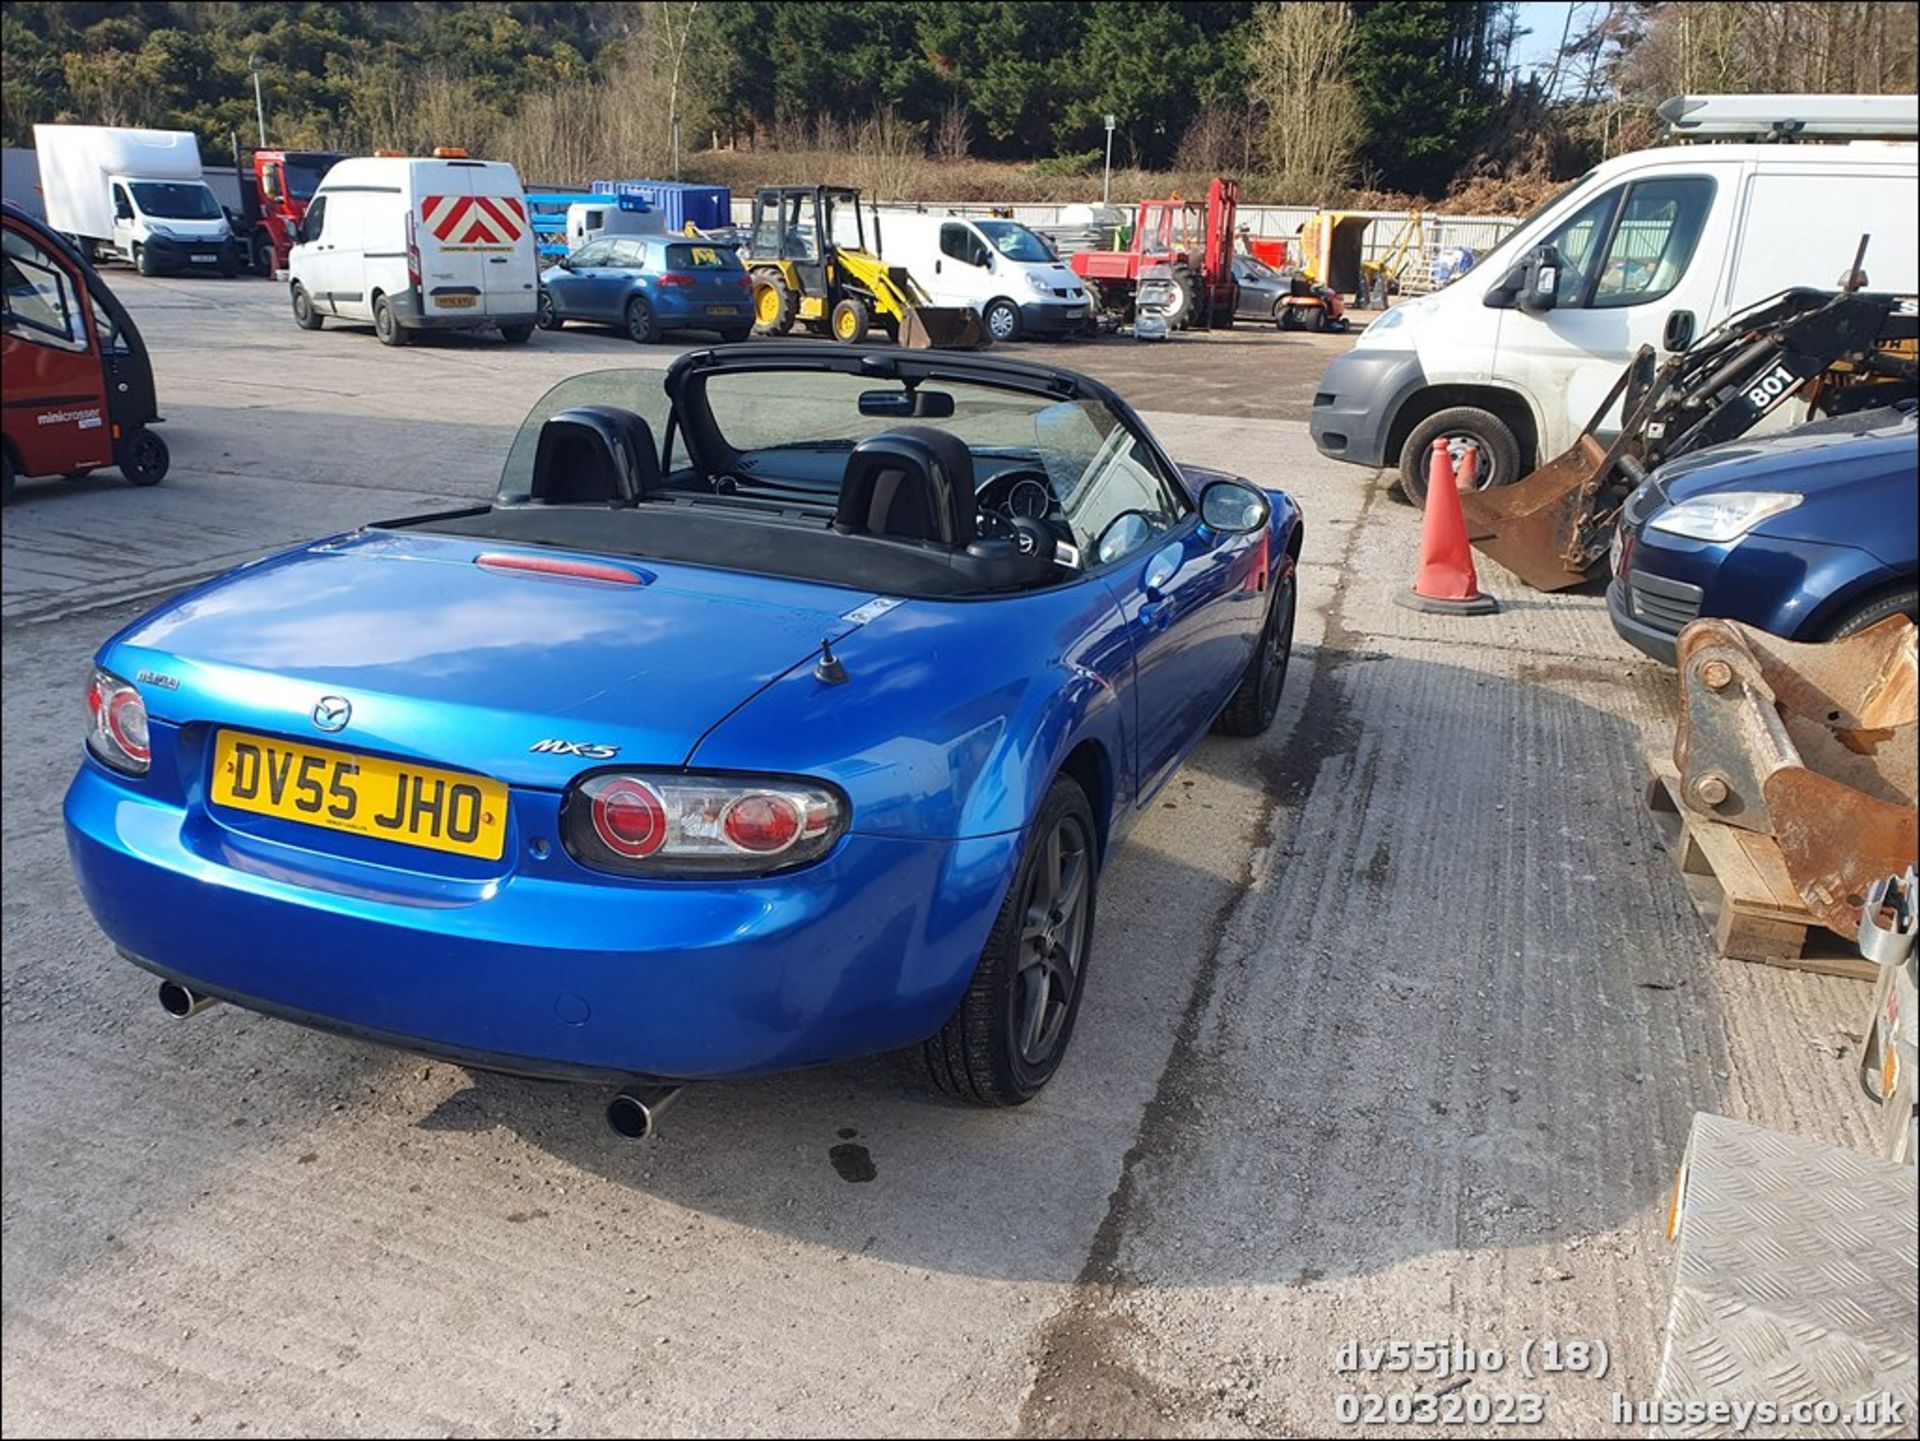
(259,105)
(1106,178)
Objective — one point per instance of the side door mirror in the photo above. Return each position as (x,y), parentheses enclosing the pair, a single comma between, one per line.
(1677,336)
(1233,507)
(1542,290)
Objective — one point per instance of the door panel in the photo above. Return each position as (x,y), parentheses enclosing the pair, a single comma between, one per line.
(57,414)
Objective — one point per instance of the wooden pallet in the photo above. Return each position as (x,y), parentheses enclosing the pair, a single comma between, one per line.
(1740,887)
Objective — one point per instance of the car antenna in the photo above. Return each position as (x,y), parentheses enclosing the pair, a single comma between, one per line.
(828,670)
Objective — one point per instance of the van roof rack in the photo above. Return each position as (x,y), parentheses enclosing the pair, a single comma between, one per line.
(1792,117)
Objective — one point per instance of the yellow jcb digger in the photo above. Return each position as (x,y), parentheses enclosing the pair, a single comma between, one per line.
(808,255)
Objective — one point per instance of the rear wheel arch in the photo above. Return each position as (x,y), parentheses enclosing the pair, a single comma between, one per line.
(1509,405)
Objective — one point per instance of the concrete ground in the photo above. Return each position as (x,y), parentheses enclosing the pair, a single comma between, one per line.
(1394,1027)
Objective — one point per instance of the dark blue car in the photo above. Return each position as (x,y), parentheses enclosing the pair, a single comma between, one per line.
(1810,535)
(649,285)
(782,709)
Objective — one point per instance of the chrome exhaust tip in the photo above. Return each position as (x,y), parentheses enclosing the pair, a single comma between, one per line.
(635,1112)
(179,1002)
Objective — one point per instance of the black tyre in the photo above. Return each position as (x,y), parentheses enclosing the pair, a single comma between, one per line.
(229,264)
(1002,320)
(262,254)
(6,476)
(517,334)
(1313,318)
(774,303)
(1499,462)
(851,320)
(142,458)
(144,262)
(1287,317)
(386,324)
(1005,1039)
(643,327)
(545,316)
(735,334)
(1872,612)
(1257,699)
(304,315)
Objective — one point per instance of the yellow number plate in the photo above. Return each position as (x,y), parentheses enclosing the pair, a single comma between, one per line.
(363,795)
(454,302)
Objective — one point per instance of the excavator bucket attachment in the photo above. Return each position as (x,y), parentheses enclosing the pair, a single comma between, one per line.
(1814,745)
(943,327)
(1530,526)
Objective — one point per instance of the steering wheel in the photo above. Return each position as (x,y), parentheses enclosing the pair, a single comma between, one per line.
(1034,537)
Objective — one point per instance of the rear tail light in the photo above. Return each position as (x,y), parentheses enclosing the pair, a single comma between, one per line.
(413,254)
(674,278)
(669,823)
(745,280)
(117,724)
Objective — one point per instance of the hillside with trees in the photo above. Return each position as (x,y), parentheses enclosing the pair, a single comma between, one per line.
(1307,102)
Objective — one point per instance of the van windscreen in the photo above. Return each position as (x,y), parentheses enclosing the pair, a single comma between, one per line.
(175,200)
(1015,241)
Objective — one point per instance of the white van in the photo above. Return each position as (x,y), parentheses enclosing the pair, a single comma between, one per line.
(417,244)
(604,219)
(1653,248)
(999,267)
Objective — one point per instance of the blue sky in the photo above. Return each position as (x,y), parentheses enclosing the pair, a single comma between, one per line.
(1546,22)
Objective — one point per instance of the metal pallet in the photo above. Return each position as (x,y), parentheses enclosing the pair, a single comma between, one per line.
(1794,1276)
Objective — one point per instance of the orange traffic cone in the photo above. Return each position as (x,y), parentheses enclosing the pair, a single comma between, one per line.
(1446,582)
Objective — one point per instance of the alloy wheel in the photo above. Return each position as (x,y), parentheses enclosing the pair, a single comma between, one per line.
(1053,939)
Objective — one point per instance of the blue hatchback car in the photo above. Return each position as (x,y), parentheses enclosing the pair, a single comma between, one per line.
(783,708)
(1810,535)
(649,285)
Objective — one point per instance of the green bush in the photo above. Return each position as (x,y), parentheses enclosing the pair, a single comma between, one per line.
(1087,162)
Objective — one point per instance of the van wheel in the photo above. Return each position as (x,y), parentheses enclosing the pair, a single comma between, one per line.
(304,315)
(229,264)
(1002,319)
(516,334)
(263,255)
(1006,1038)
(143,458)
(385,324)
(143,261)
(642,325)
(1499,462)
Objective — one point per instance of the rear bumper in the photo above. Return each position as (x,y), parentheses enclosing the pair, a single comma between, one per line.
(1359,397)
(552,974)
(408,311)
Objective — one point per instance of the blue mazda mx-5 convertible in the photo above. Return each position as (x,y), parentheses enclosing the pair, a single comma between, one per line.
(782,708)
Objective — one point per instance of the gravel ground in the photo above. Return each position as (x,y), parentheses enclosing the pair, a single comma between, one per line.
(1396,1020)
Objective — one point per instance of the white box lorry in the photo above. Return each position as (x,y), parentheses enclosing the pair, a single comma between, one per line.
(1653,248)
(138,195)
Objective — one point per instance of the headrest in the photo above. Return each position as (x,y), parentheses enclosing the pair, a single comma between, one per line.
(594,453)
(914,483)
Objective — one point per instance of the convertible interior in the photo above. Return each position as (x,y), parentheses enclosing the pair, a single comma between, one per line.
(908,508)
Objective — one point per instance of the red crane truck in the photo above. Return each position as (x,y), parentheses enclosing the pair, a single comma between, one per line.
(274,204)
(1194,239)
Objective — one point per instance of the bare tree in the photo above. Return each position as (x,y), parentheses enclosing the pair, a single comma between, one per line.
(889,156)
(672,23)
(953,137)
(1297,55)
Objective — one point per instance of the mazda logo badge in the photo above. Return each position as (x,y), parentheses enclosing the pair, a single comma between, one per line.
(332,712)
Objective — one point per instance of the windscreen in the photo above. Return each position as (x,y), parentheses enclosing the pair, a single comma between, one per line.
(175,200)
(1015,241)
(304,174)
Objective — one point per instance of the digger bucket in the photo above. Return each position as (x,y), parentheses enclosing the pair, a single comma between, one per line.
(1813,745)
(943,327)
(1533,527)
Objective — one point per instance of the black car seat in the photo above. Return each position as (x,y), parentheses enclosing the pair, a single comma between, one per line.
(915,484)
(595,454)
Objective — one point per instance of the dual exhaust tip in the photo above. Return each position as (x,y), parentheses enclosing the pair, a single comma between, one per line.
(633,1113)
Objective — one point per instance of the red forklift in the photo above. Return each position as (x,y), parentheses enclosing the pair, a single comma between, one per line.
(274,202)
(75,378)
(1195,242)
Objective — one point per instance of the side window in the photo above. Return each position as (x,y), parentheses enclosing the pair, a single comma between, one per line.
(1578,239)
(593,253)
(315,225)
(1653,241)
(1119,503)
(40,304)
(629,254)
(122,204)
(956,243)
